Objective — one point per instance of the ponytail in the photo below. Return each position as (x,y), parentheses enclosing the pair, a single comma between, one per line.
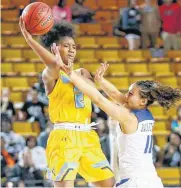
(154,91)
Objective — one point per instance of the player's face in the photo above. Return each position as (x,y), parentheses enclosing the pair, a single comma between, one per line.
(67,49)
(133,99)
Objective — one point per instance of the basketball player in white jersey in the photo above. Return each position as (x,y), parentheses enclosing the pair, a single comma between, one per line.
(136,122)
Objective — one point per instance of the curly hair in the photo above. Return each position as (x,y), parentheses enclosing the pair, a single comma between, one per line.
(154,91)
(58,31)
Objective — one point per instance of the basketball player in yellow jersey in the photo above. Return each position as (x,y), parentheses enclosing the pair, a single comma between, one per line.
(73,146)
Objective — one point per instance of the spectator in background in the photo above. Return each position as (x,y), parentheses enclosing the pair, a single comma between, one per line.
(156,153)
(97,112)
(103,132)
(170,15)
(150,25)
(14,142)
(171,152)
(32,161)
(118,26)
(131,25)
(43,137)
(35,155)
(34,110)
(42,97)
(7,105)
(81,13)
(7,160)
(176,124)
(62,12)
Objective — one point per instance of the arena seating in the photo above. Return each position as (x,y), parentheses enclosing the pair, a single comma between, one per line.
(26,128)
(170,176)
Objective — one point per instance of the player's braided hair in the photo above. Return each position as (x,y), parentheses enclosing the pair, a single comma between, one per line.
(154,91)
(58,31)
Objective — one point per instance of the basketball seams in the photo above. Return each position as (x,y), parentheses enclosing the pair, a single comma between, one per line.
(32,14)
(45,28)
(37,19)
(40,20)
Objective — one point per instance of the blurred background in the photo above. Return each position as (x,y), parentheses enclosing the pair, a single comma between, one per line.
(141,40)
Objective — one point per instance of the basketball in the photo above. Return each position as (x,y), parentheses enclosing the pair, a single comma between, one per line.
(38,18)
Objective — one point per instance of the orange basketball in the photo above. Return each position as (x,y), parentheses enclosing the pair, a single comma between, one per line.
(38,18)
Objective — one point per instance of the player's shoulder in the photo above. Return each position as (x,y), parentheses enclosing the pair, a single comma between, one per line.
(143,115)
(85,73)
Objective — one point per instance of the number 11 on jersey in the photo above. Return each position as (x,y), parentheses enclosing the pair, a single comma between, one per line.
(149,144)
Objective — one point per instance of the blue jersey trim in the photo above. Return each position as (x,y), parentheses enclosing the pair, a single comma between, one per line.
(143,115)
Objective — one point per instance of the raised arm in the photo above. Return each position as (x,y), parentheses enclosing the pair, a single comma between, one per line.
(51,72)
(85,75)
(106,86)
(46,57)
(117,112)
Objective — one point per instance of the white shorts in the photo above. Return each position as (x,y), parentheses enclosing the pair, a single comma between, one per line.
(132,36)
(140,183)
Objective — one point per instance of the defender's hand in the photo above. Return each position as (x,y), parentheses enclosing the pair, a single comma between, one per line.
(100,72)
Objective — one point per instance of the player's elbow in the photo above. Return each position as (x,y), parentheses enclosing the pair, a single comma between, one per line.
(52,64)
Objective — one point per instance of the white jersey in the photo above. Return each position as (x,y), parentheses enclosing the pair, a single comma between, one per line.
(135,150)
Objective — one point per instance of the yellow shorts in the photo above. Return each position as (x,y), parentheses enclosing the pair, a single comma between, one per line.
(70,152)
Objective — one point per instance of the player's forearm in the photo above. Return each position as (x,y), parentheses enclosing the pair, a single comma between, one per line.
(46,57)
(111,90)
(88,81)
(106,105)
(82,84)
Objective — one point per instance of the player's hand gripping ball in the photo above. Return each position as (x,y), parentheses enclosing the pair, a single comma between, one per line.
(38,18)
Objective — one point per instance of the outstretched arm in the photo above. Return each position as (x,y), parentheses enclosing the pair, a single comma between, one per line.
(85,75)
(106,86)
(117,112)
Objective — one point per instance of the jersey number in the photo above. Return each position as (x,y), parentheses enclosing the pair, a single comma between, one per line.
(149,144)
(79,98)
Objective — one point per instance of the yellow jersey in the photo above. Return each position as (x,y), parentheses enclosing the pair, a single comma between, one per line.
(67,103)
